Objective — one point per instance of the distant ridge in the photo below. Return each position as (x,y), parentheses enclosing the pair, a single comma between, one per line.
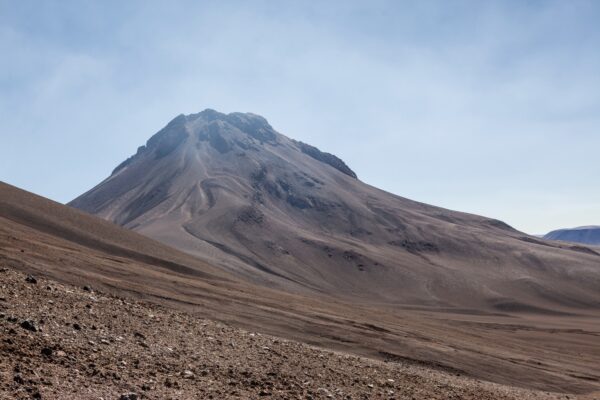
(583,234)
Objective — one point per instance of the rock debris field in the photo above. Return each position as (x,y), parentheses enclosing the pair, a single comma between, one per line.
(66,342)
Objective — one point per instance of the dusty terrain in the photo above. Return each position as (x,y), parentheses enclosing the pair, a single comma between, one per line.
(64,342)
(555,352)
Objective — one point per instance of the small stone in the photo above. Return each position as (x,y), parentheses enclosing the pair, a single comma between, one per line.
(77,327)
(87,288)
(29,325)
(18,379)
(47,351)
(187,374)
(61,353)
(129,396)
(31,279)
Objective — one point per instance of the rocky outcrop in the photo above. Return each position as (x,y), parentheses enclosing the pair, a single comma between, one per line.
(326,158)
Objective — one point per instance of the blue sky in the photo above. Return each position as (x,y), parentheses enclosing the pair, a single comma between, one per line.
(479,106)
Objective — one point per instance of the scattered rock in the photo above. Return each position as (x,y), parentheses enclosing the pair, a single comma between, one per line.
(87,288)
(139,335)
(31,279)
(205,360)
(29,325)
(129,396)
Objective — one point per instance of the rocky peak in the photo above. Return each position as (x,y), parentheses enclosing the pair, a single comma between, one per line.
(251,124)
(224,132)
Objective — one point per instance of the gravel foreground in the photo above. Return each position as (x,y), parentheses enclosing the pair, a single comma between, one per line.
(65,342)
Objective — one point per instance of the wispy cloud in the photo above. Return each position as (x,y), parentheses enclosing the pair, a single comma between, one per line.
(488,107)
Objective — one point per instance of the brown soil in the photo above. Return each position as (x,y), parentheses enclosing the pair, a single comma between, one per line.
(87,344)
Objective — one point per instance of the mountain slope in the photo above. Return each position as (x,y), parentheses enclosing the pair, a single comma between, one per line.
(585,234)
(49,239)
(231,190)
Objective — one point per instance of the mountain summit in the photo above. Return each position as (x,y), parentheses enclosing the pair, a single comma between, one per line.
(226,133)
(231,190)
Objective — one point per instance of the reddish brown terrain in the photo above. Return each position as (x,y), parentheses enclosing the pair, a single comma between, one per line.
(66,342)
(552,352)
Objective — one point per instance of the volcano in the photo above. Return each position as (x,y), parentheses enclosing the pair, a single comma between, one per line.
(233,192)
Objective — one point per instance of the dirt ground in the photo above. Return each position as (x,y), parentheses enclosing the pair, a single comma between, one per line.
(65,342)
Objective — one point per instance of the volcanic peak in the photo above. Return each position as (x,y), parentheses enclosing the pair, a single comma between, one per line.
(223,132)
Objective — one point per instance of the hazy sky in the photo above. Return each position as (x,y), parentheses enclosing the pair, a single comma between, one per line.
(480,106)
